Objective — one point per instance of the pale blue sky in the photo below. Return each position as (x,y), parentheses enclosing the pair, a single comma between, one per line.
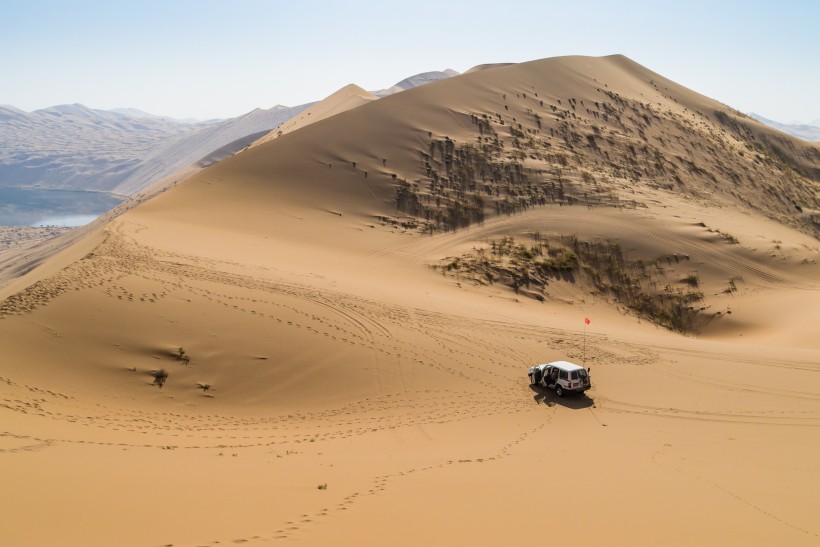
(206,59)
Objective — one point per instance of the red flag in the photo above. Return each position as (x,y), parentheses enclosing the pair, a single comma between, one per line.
(586,320)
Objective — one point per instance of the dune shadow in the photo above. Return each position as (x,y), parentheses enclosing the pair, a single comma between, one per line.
(575,401)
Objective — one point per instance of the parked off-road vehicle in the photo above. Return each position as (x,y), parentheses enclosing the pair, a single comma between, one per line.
(562,376)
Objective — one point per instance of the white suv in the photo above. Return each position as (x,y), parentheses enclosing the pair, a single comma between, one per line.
(562,376)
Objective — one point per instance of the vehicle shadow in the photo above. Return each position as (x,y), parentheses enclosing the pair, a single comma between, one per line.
(575,401)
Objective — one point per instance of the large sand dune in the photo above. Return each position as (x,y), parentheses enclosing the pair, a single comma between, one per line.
(346,98)
(356,395)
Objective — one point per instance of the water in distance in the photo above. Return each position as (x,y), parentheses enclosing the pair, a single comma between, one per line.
(38,207)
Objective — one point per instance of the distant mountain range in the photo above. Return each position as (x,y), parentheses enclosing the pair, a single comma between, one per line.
(199,145)
(137,113)
(415,81)
(125,150)
(807,132)
(72,147)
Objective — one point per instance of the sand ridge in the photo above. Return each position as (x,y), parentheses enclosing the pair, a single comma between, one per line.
(346,98)
(356,395)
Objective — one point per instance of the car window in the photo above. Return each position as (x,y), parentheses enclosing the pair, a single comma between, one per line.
(574,375)
(562,375)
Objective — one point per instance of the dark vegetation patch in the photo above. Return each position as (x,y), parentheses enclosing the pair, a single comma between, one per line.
(531,151)
(528,268)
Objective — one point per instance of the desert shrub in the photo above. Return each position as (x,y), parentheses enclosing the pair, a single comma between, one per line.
(692,280)
(160,376)
(599,263)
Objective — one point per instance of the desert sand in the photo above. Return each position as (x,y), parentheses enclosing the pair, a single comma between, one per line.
(342,387)
(346,98)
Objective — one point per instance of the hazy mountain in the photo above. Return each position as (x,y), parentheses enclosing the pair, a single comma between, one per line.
(807,132)
(9,112)
(415,81)
(226,137)
(137,113)
(74,147)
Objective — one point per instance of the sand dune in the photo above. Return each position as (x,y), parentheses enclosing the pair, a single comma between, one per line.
(341,389)
(344,99)
(126,150)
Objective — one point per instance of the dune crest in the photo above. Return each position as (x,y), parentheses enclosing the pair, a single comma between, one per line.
(346,98)
(334,327)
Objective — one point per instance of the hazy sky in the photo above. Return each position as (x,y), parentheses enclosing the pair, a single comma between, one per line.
(207,59)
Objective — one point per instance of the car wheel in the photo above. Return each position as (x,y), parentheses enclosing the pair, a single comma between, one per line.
(559,390)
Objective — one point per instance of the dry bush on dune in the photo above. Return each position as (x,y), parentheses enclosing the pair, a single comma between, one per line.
(160,376)
(183,356)
(596,154)
(599,265)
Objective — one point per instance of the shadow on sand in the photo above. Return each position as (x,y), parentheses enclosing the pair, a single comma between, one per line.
(575,401)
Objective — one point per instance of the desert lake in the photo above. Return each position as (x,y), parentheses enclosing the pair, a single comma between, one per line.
(38,207)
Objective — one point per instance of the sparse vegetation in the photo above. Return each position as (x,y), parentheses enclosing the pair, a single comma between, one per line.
(729,238)
(732,288)
(565,151)
(183,356)
(692,280)
(528,269)
(160,377)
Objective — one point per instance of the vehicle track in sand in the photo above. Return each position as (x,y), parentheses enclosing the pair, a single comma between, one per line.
(797,418)
(662,458)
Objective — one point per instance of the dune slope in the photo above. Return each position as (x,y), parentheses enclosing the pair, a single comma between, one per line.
(340,387)
(342,100)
